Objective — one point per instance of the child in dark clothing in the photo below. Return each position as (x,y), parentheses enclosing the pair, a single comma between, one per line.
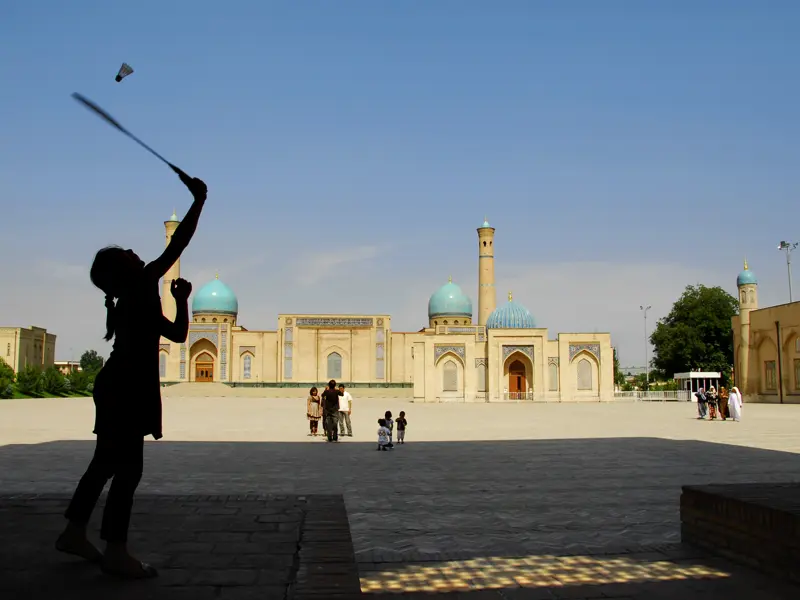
(401,427)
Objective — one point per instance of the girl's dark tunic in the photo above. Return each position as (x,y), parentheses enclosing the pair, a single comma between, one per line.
(127,391)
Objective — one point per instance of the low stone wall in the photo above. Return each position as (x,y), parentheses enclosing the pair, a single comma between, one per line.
(753,524)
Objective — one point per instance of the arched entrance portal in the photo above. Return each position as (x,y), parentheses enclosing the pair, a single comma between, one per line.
(204,368)
(517,383)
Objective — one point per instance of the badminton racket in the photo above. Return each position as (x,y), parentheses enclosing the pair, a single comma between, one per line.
(114,123)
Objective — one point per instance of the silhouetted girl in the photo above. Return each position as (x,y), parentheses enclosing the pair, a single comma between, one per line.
(127,391)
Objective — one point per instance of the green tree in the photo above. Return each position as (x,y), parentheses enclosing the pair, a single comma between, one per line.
(29,380)
(619,377)
(696,334)
(78,381)
(91,361)
(6,380)
(54,382)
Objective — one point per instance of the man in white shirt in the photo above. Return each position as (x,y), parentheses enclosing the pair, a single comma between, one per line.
(345,408)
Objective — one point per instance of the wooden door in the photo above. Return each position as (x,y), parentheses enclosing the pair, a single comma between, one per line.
(204,368)
(516,378)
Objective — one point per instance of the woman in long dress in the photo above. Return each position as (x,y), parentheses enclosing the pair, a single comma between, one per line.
(313,410)
(735,404)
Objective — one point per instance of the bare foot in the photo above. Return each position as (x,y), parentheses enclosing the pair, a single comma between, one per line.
(75,542)
(121,564)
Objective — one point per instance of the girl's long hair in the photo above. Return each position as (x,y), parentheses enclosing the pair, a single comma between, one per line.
(104,274)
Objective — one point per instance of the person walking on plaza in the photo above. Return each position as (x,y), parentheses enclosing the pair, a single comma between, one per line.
(313,410)
(723,403)
(128,404)
(701,403)
(345,409)
(330,411)
(712,403)
(735,404)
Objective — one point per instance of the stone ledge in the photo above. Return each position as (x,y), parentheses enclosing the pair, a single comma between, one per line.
(753,524)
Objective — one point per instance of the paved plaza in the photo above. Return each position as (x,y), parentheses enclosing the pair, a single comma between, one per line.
(501,501)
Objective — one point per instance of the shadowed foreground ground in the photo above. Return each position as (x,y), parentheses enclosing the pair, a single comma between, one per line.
(474,514)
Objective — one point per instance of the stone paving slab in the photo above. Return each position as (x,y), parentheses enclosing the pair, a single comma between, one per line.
(204,546)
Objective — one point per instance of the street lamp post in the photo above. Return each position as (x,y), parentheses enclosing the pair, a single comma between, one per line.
(788,247)
(644,310)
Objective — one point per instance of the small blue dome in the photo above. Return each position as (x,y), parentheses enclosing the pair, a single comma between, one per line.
(174,218)
(449,301)
(215,297)
(746,277)
(511,316)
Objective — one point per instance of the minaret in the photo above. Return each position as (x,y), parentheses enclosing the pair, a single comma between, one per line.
(487,297)
(174,272)
(748,301)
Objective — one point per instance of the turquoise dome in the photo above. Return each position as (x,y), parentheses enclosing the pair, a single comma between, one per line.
(746,277)
(511,316)
(449,301)
(215,297)
(174,218)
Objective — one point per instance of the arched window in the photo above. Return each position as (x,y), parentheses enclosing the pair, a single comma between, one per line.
(247,365)
(162,364)
(334,366)
(450,377)
(584,374)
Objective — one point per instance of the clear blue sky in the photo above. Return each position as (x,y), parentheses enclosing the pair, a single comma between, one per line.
(656,140)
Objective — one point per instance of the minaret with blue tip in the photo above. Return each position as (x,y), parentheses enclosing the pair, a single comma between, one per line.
(168,306)
(487,295)
(748,301)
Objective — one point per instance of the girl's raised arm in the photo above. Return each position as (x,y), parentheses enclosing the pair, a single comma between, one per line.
(184,232)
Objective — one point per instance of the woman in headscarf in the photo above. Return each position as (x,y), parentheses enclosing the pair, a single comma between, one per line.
(723,403)
(711,396)
(735,404)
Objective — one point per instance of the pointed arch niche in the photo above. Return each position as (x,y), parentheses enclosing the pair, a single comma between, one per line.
(203,361)
(585,374)
(518,377)
(450,377)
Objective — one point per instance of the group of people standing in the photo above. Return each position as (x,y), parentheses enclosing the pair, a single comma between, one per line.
(333,407)
(727,404)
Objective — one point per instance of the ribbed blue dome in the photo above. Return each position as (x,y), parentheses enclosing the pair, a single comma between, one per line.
(449,301)
(215,297)
(746,276)
(511,316)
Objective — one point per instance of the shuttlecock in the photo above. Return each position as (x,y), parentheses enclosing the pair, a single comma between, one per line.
(124,71)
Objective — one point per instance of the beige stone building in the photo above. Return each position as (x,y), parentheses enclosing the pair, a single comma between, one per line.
(21,347)
(505,355)
(766,346)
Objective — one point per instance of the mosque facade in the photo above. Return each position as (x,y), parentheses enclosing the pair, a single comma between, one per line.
(766,346)
(500,355)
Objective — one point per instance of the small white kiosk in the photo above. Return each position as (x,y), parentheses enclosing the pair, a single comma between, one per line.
(694,380)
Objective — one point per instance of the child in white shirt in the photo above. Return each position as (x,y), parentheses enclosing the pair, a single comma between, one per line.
(389,425)
(383,435)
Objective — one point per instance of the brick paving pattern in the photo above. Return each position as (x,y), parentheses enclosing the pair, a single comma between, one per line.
(204,546)
(478,482)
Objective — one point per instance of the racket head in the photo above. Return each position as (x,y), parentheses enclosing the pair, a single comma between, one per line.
(98,111)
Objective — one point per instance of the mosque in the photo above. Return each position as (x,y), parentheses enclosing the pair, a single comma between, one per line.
(501,355)
(766,346)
